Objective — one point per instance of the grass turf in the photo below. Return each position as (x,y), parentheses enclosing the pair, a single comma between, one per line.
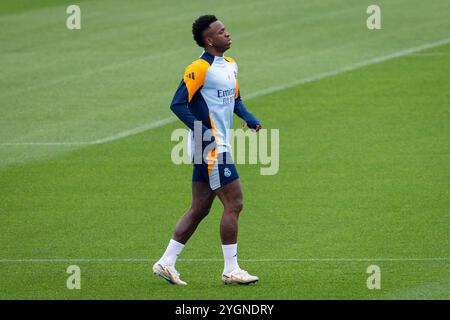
(364,170)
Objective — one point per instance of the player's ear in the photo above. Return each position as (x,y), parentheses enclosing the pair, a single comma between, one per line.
(208,42)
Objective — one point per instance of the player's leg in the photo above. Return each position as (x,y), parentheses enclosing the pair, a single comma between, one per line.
(230,194)
(232,199)
(202,199)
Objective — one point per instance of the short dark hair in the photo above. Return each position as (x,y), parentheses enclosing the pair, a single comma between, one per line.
(201,24)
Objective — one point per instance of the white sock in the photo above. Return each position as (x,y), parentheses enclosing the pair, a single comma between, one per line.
(230,257)
(171,254)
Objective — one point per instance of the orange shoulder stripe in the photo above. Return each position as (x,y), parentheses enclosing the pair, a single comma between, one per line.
(194,76)
(229,59)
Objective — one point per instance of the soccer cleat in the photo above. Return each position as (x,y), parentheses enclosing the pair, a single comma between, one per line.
(239,276)
(169,273)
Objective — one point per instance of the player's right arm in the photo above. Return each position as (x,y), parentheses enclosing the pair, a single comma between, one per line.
(193,80)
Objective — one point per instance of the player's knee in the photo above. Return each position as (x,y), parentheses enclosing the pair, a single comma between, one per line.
(236,206)
(200,211)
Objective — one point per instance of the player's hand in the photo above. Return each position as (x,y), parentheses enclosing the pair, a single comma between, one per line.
(254,127)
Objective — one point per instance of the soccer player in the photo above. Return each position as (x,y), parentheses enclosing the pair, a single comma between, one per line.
(205,101)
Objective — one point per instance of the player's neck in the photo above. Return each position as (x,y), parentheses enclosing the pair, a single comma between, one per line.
(214,52)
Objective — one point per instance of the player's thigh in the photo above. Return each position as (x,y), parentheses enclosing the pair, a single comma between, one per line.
(202,195)
(231,195)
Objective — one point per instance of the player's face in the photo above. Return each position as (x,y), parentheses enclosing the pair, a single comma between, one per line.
(218,36)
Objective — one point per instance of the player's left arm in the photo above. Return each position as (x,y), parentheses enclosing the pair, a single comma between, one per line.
(239,108)
(241,111)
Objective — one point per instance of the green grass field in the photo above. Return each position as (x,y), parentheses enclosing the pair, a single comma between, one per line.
(364,150)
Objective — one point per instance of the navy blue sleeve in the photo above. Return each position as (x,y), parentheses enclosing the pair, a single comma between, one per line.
(179,106)
(243,113)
